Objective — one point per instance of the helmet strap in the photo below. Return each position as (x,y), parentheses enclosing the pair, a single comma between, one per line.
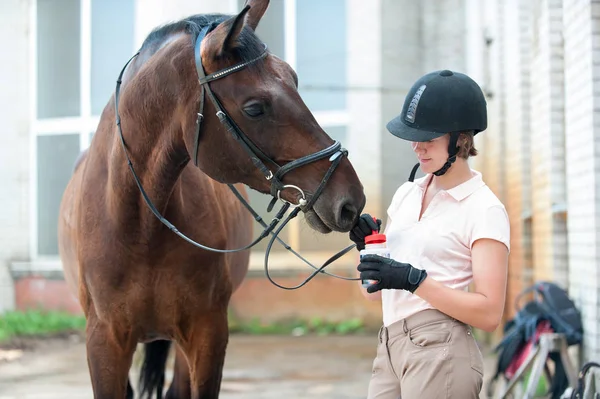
(446,166)
(452,153)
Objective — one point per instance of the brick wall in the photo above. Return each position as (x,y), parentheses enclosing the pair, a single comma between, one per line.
(516,131)
(547,132)
(503,152)
(14,152)
(493,151)
(538,153)
(522,152)
(581,28)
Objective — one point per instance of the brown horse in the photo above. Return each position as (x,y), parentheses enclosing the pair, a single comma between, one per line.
(136,279)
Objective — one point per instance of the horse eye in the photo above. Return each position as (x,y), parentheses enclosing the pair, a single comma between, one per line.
(254,110)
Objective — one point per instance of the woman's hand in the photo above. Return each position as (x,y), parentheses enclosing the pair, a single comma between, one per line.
(390,274)
(364,227)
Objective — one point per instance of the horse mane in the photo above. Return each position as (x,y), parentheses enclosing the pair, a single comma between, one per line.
(248,47)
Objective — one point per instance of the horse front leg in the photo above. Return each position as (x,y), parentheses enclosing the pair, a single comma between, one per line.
(110,351)
(205,350)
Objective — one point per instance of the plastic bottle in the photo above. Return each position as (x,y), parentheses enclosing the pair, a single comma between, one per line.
(376,244)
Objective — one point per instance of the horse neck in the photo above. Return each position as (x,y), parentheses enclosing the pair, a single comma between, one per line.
(152,113)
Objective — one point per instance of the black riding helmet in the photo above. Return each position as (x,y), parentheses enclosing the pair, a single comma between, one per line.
(441,102)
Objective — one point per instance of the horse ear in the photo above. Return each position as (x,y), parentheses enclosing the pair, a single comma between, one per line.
(257,10)
(235,29)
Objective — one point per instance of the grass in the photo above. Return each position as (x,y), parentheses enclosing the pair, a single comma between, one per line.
(37,323)
(297,327)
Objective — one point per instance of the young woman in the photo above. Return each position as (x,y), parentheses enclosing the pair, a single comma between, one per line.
(444,232)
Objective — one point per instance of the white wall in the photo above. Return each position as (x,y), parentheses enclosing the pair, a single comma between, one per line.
(14,151)
(364,98)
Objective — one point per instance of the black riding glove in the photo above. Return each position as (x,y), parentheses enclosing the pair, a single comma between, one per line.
(364,227)
(389,274)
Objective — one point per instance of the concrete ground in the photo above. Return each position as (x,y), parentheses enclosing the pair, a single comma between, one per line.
(256,367)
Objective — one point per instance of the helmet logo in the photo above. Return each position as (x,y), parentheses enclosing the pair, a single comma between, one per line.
(412,108)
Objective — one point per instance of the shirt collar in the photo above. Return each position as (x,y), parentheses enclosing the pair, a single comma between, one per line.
(459,192)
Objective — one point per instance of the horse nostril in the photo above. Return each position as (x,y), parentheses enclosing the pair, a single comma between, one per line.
(347,216)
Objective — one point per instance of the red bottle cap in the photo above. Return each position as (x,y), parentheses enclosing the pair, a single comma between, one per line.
(375,238)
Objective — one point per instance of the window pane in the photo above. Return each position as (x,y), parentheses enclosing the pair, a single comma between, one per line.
(112,45)
(58,56)
(321,53)
(55,160)
(271,27)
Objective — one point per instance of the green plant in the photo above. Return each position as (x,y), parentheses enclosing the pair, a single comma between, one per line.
(296,326)
(542,384)
(37,322)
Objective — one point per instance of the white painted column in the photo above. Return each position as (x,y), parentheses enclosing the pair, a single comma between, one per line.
(363,47)
(14,153)
(402,63)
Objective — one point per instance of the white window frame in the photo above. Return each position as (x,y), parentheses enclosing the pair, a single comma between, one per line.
(324,118)
(82,125)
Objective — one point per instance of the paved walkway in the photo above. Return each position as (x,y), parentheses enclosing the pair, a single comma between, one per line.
(256,367)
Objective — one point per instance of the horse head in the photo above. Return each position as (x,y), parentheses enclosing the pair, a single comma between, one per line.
(233,108)
(262,102)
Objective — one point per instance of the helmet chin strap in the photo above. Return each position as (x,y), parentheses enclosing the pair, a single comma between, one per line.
(446,166)
(452,152)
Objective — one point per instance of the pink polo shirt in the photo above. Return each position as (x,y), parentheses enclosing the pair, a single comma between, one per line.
(441,241)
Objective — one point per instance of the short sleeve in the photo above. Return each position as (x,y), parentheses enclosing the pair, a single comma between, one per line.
(492,223)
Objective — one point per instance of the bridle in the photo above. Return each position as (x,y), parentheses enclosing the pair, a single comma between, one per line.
(335,153)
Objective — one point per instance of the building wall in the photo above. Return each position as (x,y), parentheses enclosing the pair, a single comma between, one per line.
(15,150)
(401,64)
(539,153)
(547,131)
(581,20)
(365,58)
(491,141)
(417,38)
(517,137)
(503,147)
